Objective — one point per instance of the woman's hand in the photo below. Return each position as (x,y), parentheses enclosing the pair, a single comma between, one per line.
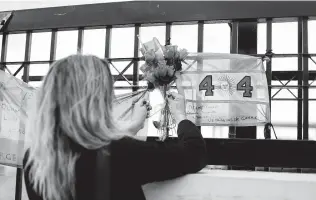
(139,114)
(176,101)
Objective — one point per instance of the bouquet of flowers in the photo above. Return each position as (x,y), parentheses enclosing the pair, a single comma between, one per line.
(161,65)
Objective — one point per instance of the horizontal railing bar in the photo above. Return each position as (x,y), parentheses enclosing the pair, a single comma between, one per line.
(142,58)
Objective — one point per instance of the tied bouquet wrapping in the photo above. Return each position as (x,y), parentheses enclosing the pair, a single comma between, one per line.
(161,65)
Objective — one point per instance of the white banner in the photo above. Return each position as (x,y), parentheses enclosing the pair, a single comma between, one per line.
(15,96)
(226,89)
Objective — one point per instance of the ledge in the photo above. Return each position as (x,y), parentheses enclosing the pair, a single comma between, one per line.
(230,185)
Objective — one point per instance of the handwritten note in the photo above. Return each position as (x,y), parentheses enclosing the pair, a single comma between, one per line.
(15,97)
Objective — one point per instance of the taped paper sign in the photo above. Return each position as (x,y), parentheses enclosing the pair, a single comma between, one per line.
(15,96)
(226,89)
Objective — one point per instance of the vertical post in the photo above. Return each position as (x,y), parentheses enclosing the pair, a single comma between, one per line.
(300,81)
(234,50)
(168,33)
(108,41)
(27,55)
(247,44)
(3,59)
(80,40)
(167,42)
(269,70)
(53,45)
(199,61)
(136,49)
(305,77)
(4,49)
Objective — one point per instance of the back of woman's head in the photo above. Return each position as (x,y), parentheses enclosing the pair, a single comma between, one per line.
(72,108)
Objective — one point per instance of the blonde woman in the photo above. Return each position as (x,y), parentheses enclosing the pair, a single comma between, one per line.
(79,152)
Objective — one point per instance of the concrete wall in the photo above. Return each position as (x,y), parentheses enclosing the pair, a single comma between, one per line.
(235,185)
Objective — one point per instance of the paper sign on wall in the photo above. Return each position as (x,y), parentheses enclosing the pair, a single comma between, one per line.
(226,89)
(15,96)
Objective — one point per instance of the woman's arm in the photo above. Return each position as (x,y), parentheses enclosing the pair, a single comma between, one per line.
(160,161)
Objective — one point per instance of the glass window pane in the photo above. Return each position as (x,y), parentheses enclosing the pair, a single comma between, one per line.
(0,45)
(312,118)
(216,38)
(285,132)
(122,91)
(260,133)
(312,113)
(122,84)
(284,64)
(147,33)
(118,67)
(312,90)
(38,69)
(185,36)
(214,131)
(7,182)
(312,36)
(94,42)
(16,47)
(262,38)
(284,119)
(41,46)
(35,84)
(284,92)
(122,42)
(312,63)
(280,112)
(284,37)
(13,68)
(67,43)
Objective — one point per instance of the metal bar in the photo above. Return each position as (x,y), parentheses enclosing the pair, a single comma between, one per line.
(168,33)
(200,62)
(247,44)
(300,82)
(234,37)
(18,184)
(136,49)
(305,77)
(108,42)
(19,174)
(234,50)
(27,56)
(80,40)
(269,64)
(284,99)
(122,13)
(4,49)
(53,45)
(115,77)
(269,71)
(291,86)
(20,68)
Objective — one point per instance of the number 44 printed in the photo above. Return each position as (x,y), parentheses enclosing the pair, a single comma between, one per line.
(243,85)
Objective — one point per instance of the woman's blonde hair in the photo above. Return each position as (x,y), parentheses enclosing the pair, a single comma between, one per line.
(73,107)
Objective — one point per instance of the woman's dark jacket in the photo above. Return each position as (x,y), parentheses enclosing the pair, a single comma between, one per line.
(133,163)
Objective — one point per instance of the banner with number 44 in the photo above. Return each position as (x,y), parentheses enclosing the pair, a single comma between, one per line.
(226,89)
